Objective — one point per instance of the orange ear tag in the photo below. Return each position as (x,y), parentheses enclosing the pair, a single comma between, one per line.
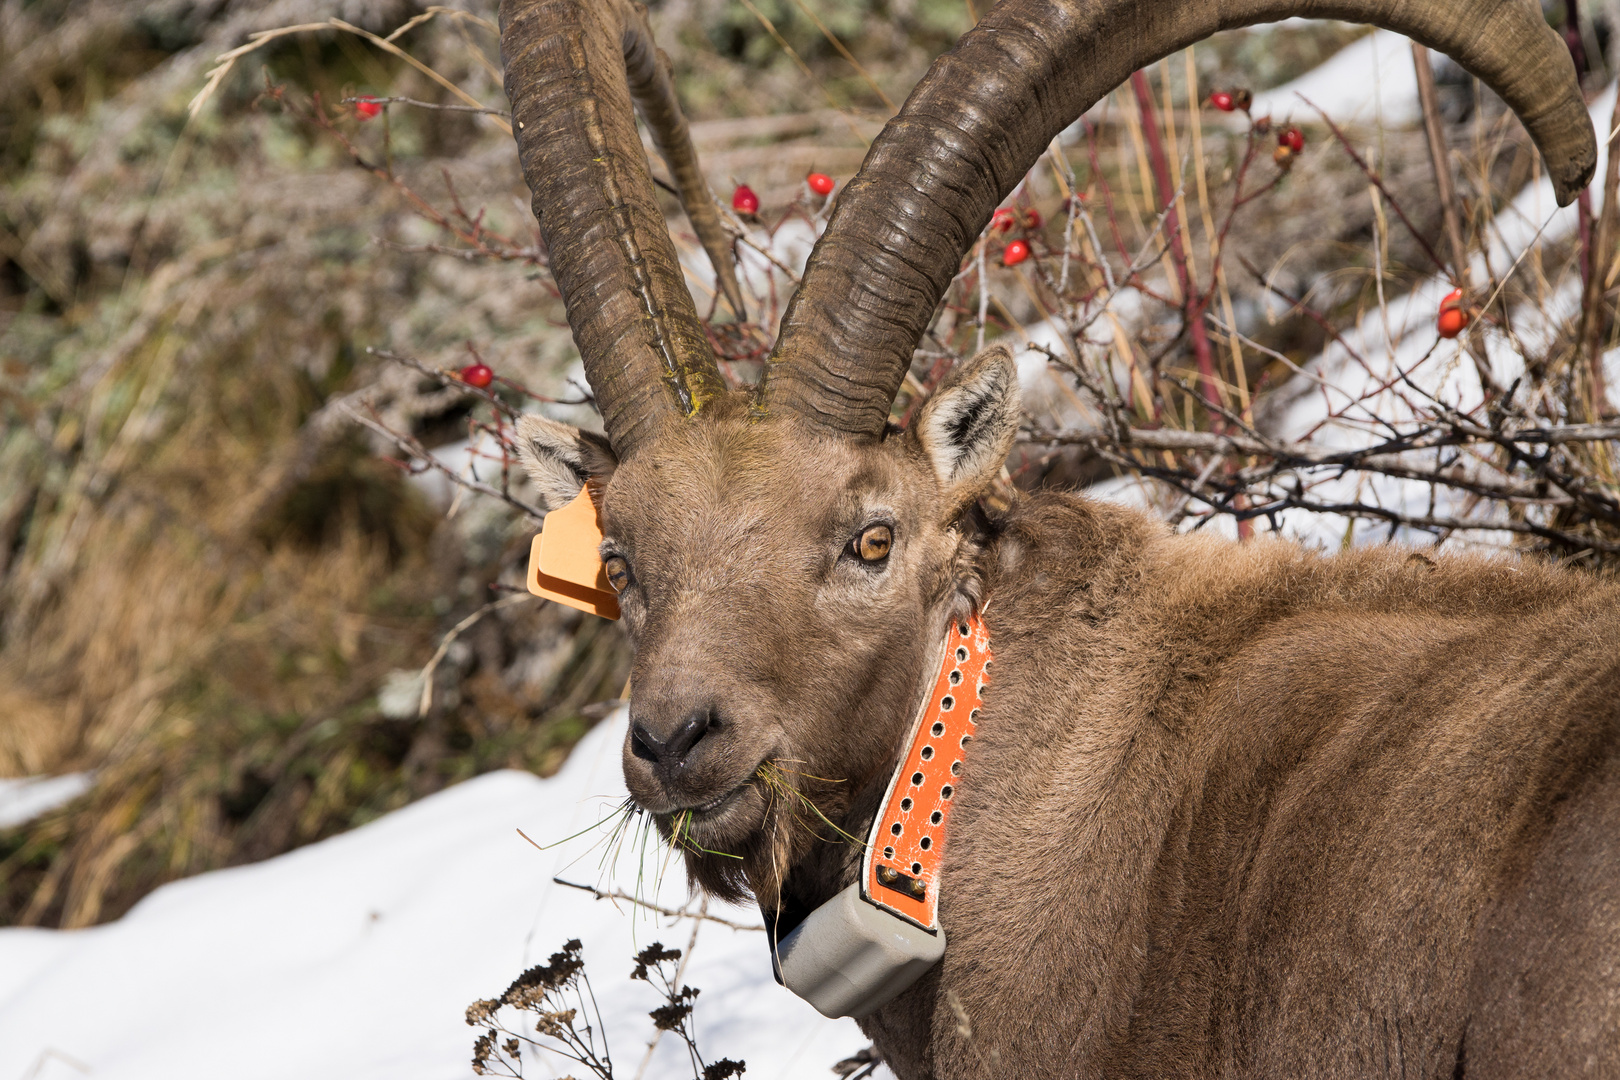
(565,563)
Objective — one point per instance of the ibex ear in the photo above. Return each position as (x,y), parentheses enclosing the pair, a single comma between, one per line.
(561,458)
(967,427)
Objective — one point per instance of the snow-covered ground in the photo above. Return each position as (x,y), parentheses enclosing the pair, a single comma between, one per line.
(1369,81)
(26,798)
(356,957)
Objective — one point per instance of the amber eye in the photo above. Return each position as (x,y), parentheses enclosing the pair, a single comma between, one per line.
(874,542)
(618,573)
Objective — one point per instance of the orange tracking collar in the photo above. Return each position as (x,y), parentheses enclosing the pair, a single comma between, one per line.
(907,844)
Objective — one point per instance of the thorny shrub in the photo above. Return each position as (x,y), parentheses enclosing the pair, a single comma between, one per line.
(1111,262)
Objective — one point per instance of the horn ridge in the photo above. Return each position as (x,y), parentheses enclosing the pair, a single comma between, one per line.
(647,68)
(985,112)
(568,73)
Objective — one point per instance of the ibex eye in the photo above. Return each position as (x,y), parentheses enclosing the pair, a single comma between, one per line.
(874,542)
(618,573)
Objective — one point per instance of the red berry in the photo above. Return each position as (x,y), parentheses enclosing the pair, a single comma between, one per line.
(1003,220)
(1453,316)
(1222,101)
(820,183)
(477,375)
(1016,252)
(366,108)
(744,201)
(1293,138)
(1032,218)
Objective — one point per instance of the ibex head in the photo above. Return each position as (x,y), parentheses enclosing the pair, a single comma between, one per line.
(784,586)
(786,560)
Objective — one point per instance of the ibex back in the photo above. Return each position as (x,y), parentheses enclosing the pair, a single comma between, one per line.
(1231,810)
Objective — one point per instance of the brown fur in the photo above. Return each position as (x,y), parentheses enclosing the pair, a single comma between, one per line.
(1233,810)
(1259,812)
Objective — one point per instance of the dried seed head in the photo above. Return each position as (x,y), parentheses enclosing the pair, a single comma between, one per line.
(556,1024)
(652,956)
(671,1016)
(556,973)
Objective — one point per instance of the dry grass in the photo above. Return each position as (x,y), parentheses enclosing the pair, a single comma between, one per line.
(205,583)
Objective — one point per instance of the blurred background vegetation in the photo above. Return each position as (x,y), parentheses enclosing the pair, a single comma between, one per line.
(207,580)
(216,591)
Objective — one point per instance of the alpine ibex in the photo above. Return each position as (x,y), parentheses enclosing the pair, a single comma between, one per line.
(1235,810)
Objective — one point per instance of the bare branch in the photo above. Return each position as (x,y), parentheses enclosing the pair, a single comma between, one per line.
(449,639)
(480,109)
(616,894)
(420,453)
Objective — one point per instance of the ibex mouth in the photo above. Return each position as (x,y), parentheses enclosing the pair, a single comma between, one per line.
(714,804)
(723,819)
(719,804)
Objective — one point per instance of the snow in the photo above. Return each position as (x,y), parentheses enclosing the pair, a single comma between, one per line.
(356,957)
(26,798)
(1367,81)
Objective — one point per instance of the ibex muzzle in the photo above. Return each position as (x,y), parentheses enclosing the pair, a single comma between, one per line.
(1229,811)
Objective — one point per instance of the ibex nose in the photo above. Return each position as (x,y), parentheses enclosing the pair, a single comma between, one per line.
(671,752)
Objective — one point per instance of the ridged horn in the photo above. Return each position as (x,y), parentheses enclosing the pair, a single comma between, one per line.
(989,108)
(573,68)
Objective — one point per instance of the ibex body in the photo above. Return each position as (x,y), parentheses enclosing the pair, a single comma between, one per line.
(1231,810)
(1253,812)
